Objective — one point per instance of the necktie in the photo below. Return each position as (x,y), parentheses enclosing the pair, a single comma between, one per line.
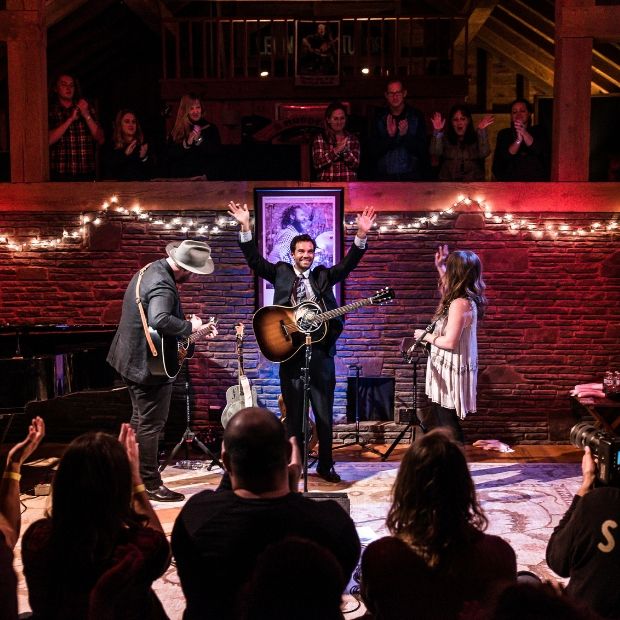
(300,290)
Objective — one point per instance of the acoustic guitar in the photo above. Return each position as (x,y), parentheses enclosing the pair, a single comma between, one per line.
(241,395)
(281,330)
(173,351)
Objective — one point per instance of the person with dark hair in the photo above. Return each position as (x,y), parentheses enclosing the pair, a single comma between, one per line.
(463,150)
(129,158)
(10,514)
(152,300)
(452,368)
(74,133)
(292,285)
(398,138)
(294,221)
(219,535)
(521,150)
(335,151)
(585,545)
(100,514)
(438,555)
(194,145)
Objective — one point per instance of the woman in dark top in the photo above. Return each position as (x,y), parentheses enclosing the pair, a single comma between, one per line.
(522,150)
(129,159)
(101,533)
(194,144)
(464,148)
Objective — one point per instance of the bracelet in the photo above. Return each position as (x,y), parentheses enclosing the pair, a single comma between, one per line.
(12,475)
(139,488)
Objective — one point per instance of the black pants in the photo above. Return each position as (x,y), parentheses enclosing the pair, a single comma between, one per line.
(322,386)
(442,417)
(151,404)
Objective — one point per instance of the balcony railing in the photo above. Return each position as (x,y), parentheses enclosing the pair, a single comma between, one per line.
(223,49)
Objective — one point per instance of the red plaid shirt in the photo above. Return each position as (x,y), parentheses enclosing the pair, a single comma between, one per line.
(332,166)
(74,153)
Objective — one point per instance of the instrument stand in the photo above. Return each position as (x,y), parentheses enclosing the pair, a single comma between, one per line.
(356,441)
(189,438)
(413,420)
(305,376)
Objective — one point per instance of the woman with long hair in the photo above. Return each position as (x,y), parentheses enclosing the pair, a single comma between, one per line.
(521,150)
(101,545)
(335,151)
(463,150)
(452,368)
(129,158)
(438,554)
(194,143)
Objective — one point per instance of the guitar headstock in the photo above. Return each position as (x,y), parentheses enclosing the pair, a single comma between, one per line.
(383,296)
(239,329)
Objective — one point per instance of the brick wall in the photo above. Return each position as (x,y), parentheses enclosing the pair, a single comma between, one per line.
(553,318)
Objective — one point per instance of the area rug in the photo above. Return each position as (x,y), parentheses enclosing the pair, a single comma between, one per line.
(523,502)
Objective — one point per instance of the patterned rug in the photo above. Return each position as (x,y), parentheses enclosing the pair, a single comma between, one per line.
(523,501)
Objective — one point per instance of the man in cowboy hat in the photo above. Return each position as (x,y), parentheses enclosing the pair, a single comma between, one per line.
(153,297)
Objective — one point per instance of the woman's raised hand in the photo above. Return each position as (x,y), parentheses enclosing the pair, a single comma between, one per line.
(485,121)
(438,121)
(441,256)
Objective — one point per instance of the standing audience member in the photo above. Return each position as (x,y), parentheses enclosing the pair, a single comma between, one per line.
(398,139)
(292,285)
(452,368)
(129,158)
(585,546)
(10,515)
(218,536)
(522,150)
(100,516)
(438,555)
(74,133)
(335,151)
(194,146)
(463,150)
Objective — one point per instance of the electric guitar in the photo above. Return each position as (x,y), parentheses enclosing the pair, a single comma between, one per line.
(281,330)
(173,351)
(242,395)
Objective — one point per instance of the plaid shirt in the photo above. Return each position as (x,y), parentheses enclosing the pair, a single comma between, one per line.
(332,166)
(74,153)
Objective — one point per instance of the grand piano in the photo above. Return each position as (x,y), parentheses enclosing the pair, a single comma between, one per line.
(60,373)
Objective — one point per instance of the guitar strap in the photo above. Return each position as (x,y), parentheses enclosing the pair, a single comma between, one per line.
(145,324)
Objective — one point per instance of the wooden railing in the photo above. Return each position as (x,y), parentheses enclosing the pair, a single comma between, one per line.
(224,49)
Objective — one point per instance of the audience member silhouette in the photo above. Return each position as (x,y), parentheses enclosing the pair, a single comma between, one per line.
(128,158)
(335,151)
(74,133)
(10,515)
(463,149)
(439,557)
(522,150)
(218,536)
(97,528)
(398,139)
(194,145)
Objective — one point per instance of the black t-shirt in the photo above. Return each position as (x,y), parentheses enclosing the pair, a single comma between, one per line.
(217,538)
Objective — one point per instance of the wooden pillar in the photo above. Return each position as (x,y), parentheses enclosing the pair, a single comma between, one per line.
(571,98)
(23,28)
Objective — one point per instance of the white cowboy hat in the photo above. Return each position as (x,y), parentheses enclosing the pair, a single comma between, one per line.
(195,256)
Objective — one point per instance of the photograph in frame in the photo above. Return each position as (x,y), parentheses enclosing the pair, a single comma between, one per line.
(281,214)
(317,53)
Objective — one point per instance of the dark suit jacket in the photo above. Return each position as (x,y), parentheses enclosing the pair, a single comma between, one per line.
(160,298)
(322,279)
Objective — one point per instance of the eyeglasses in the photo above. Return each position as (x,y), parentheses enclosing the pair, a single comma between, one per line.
(393,93)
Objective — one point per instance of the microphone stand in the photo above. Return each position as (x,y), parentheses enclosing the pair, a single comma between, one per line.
(305,376)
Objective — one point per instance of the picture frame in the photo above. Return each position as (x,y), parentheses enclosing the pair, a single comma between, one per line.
(281,214)
(317,53)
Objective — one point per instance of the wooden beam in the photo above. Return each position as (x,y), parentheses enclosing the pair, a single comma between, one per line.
(57,10)
(600,22)
(571,101)
(151,12)
(476,21)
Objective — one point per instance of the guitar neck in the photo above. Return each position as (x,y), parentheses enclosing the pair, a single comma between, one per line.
(332,314)
(199,334)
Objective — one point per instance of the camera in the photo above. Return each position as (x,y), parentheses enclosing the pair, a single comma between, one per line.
(604,446)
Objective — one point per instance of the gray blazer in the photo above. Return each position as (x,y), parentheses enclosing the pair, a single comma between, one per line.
(160,298)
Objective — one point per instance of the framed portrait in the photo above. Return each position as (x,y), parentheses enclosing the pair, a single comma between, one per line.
(282,214)
(317,53)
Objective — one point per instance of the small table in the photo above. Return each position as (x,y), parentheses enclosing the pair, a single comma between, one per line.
(604,410)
